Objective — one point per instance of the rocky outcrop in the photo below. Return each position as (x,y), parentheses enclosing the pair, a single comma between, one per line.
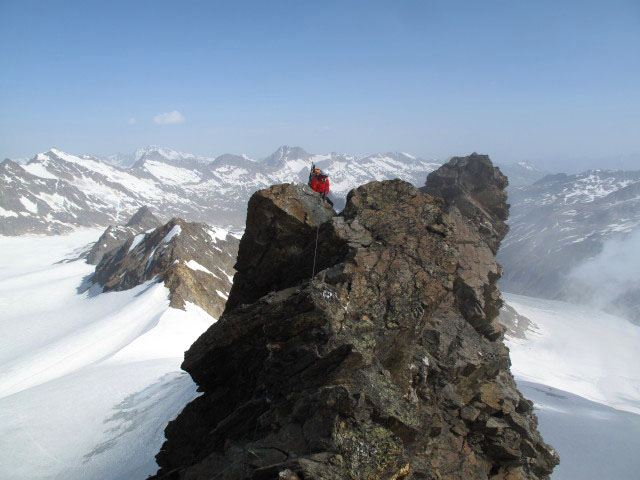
(115,235)
(516,325)
(190,258)
(478,190)
(289,214)
(387,364)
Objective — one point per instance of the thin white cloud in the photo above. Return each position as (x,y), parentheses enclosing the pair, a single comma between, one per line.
(131,121)
(169,118)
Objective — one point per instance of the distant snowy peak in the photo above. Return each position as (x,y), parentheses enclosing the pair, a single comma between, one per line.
(528,166)
(286,154)
(231,159)
(121,160)
(19,161)
(168,154)
(152,152)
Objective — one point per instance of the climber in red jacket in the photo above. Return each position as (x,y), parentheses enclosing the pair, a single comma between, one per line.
(319,182)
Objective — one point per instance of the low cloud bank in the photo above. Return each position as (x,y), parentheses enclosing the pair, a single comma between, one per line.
(611,280)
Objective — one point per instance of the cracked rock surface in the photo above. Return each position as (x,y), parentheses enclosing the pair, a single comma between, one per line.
(387,364)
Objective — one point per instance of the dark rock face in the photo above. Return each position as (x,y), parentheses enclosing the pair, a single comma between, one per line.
(289,214)
(115,236)
(194,264)
(387,364)
(516,325)
(477,189)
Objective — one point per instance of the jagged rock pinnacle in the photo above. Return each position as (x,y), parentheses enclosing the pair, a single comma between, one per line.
(187,257)
(387,364)
(143,219)
(115,236)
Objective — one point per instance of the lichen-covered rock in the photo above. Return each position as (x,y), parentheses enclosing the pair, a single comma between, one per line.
(387,364)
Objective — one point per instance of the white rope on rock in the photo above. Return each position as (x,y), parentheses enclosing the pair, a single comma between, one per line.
(315,253)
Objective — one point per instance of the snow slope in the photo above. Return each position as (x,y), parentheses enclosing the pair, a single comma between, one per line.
(581,368)
(595,442)
(578,350)
(88,381)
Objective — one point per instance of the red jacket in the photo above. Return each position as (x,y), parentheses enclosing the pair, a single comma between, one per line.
(320,184)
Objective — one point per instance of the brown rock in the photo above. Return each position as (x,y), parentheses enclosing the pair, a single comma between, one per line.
(386,364)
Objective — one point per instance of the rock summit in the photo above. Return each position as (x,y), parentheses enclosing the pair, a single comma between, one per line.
(363,345)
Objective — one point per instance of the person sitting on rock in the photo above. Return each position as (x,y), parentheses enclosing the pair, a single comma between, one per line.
(319,182)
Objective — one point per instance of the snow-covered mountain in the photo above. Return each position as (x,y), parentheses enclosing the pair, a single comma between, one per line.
(563,222)
(127,160)
(56,192)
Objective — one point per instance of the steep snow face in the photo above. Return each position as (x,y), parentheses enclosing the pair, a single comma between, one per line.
(578,350)
(171,175)
(521,173)
(88,381)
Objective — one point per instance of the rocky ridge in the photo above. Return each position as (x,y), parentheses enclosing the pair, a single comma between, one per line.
(194,260)
(387,364)
(116,235)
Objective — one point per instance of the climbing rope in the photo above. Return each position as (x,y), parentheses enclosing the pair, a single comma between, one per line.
(315,253)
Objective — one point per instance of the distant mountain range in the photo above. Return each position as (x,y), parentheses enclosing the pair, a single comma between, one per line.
(55,192)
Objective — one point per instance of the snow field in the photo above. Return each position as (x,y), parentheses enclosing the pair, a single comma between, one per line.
(88,380)
(578,350)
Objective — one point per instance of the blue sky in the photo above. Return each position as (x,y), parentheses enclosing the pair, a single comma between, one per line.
(547,81)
